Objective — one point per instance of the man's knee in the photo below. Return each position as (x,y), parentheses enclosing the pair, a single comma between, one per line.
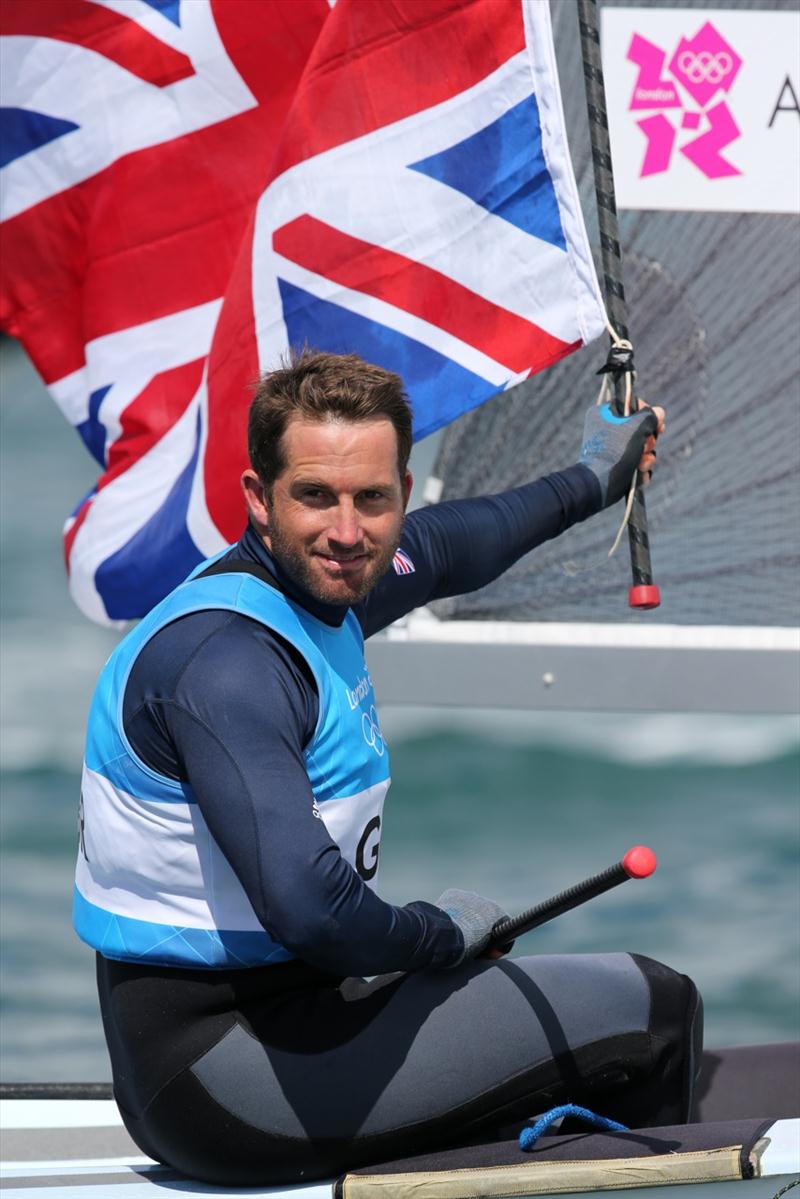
(642,1070)
(676,1031)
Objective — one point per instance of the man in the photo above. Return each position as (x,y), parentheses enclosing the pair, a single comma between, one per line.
(231,806)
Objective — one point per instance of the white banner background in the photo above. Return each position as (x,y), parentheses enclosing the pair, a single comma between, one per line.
(761,99)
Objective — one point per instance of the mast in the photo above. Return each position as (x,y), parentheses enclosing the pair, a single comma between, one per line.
(644,593)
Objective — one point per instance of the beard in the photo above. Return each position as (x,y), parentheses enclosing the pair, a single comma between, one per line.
(306,570)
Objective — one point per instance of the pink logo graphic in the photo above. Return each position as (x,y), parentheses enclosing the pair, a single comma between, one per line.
(703,66)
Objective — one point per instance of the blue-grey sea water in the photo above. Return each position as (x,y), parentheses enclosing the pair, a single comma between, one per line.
(514,805)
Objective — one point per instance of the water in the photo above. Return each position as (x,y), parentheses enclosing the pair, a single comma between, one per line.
(516,806)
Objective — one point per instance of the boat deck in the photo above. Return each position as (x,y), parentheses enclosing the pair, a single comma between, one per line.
(79,1149)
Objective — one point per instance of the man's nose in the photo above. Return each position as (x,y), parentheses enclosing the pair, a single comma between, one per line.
(346,527)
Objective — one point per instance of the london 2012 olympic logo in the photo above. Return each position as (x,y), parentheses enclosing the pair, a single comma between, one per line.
(704,67)
(372,731)
(696,79)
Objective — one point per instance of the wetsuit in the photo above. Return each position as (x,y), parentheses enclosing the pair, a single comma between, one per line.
(298,1068)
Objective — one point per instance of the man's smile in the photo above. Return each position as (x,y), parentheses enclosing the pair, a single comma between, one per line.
(342,561)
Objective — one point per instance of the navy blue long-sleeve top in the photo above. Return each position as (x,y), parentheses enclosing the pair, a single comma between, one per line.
(219,701)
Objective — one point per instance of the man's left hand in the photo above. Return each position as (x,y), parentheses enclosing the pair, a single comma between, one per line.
(615,447)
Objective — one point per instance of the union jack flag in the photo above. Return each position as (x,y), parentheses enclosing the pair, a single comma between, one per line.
(189,187)
(402,563)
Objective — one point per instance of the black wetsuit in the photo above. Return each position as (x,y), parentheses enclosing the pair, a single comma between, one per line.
(298,1070)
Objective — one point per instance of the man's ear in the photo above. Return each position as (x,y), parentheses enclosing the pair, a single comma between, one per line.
(255,497)
(408,483)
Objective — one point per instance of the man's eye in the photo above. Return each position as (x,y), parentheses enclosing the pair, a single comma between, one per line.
(373,496)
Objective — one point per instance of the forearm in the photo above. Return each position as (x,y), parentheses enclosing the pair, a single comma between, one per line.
(478,539)
(335,922)
(461,545)
(258,805)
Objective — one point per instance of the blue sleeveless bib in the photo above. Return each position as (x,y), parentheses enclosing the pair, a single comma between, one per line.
(151,883)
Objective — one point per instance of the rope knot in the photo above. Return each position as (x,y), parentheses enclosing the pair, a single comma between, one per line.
(619,360)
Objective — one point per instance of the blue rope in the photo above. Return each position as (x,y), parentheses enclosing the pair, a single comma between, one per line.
(529,1136)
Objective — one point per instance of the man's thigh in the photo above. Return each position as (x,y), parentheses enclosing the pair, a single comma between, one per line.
(460,1045)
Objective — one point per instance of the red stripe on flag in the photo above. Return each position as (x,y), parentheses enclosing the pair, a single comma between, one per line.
(232,374)
(103,30)
(376,62)
(152,414)
(427,293)
(281,33)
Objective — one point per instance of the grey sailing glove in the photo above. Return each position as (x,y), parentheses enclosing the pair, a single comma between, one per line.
(613,446)
(475,916)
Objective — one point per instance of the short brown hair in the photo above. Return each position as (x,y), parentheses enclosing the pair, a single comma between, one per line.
(320,386)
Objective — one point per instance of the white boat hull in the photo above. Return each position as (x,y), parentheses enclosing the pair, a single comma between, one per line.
(79,1149)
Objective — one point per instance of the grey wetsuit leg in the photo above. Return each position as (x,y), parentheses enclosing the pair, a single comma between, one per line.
(363,1071)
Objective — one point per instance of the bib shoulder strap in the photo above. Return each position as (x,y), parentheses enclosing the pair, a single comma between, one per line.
(242,566)
(229,566)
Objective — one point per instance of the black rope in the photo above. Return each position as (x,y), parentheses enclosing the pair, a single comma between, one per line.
(795,1182)
(611,255)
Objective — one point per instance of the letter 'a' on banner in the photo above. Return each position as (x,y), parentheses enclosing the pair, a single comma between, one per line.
(175,217)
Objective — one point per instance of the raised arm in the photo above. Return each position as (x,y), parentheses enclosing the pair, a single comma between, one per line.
(461,545)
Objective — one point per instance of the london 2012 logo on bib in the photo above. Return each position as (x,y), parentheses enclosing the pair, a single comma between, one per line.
(686,89)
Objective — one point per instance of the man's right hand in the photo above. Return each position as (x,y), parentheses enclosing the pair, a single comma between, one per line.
(475,916)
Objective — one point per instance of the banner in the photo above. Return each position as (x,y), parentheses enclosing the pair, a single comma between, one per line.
(704,108)
(192,186)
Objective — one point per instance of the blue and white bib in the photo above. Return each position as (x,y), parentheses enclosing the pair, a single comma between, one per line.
(151,883)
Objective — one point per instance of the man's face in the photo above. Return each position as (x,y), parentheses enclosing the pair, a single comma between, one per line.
(335,513)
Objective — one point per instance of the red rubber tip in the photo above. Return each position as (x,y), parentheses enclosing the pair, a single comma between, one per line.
(646,595)
(639,862)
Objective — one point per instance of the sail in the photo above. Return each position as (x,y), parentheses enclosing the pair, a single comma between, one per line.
(711,268)
(714,301)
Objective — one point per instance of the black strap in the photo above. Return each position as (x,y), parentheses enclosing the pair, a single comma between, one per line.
(241,566)
(231,566)
(228,566)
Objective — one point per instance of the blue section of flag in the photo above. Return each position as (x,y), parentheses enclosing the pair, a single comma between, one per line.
(22,131)
(163,544)
(171,9)
(502,168)
(439,389)
(92,430)
(90,494)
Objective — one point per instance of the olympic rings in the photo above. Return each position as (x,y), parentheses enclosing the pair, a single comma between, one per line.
(372,732)
(705,67)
